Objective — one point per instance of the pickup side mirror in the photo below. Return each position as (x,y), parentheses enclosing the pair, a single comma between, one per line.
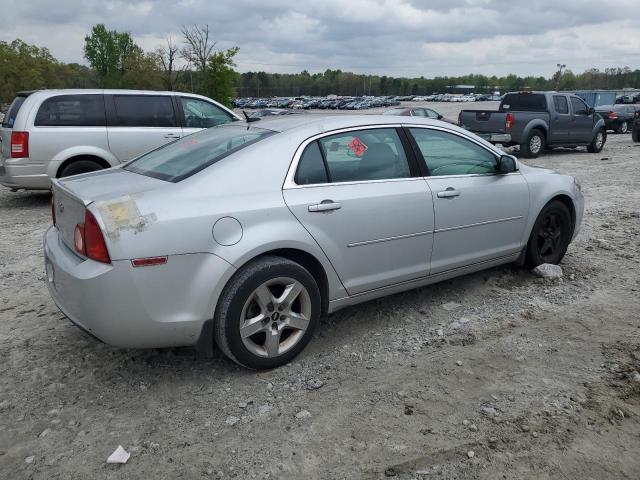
(506,164)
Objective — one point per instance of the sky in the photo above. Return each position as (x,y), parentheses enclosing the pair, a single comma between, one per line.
(387,37)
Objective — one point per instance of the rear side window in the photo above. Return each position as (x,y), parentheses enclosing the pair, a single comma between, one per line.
(178,160)
(12,113)
(311,168)
(579,107)
(144,111)
(72,111)
(374,154)
(561,104)
(524,102)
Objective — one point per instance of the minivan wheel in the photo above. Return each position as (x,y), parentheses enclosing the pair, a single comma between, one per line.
(534,145)
(267,313)
(598,141)
(80,166)
(550,235)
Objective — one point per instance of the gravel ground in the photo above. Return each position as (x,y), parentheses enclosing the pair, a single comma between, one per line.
(492,375)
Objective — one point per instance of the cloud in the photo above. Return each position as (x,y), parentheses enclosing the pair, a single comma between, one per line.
(391,37)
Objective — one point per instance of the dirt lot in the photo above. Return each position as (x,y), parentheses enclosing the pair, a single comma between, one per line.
(539,379)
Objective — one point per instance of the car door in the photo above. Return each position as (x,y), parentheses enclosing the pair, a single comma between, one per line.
(479,215)
(365,203)
(581,121)
(197,114)
(140,123)
(560,120)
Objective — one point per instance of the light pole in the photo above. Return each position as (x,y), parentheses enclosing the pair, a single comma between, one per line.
(559,74)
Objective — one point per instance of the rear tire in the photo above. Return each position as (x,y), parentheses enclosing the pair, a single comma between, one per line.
(534,145)
(267,313)
(622,127)
(80,166)
(597,144)
(550,235)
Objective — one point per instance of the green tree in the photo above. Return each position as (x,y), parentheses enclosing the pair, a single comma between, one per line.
(110,53)
(221,76)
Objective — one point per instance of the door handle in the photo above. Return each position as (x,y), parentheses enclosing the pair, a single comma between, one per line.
(325,206)
(172,135)
(449,193)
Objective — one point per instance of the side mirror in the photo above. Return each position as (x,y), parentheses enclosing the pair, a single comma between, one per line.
(507,164)
(440,117)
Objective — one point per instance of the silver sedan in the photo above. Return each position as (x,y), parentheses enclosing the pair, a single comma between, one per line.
(246,235)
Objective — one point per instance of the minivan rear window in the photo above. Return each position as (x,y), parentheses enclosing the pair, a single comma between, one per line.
(181,159)
(12,113)
(524,102)
(72,111)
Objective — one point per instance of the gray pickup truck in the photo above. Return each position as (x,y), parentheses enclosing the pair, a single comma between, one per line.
(537,121)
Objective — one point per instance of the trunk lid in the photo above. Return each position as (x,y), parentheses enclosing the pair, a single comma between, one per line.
(72,195)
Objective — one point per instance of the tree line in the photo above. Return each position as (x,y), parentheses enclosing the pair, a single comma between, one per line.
(193,64)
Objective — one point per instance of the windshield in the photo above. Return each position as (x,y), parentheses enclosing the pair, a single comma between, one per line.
(178,160)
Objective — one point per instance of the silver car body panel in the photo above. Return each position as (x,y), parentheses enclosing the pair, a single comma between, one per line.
(384,242)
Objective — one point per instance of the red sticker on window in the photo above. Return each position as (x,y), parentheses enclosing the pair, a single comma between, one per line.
(357,146)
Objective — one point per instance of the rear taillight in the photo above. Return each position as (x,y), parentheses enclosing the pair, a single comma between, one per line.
(509,121)
(89,241)
(53,208)
(19,144)
(613,115)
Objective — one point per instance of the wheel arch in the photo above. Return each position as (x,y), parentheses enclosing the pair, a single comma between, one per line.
(94,158)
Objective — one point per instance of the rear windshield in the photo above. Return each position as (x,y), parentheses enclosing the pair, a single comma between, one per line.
(524,102)
(178,160)
(12,113)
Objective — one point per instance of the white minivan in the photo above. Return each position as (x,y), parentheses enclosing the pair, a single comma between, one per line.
(56,133)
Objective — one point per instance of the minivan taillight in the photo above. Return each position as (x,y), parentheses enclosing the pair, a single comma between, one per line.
(613,115)
(89,241)
(509,121)
(19,144)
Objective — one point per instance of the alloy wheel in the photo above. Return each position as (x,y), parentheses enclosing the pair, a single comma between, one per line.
(275,317)
(549,237)
(535,144)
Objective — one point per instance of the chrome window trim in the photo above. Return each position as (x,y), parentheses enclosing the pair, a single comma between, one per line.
(289,182)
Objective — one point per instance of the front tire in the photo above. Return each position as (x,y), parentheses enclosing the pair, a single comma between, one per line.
(597,144)
(550,235)
(534,145)
(267,313)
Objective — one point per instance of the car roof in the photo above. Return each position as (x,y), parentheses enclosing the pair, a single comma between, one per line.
(94,91)
(314,124)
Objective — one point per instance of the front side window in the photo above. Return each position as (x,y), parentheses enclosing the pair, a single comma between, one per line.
(418,112)
(374,154)
(579,107)
(201,114)
(449,154)
(180,159)
(72,111)
(431,113)
(561,105)
(144,111)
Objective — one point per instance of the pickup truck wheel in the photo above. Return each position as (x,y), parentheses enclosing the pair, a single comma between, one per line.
(533,145)
(623,127)
(598,141)
(550,235)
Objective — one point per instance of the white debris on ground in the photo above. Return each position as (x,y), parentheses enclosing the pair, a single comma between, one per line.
(119,455)
(548,270)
